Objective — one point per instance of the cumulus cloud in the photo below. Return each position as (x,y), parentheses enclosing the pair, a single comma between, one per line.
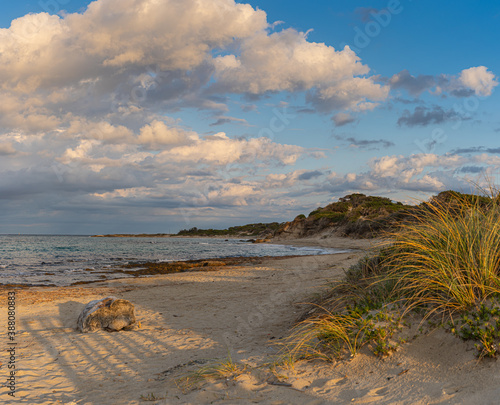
(85,101)
(427,173)
(285,60)
(87,176)
(292,179)
(357,94)
(157,135)
(222,150)
(117,54)
(432,172)
(98,130)
(478,79)
(176,35)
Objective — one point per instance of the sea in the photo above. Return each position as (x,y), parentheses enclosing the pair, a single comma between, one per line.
(61,260)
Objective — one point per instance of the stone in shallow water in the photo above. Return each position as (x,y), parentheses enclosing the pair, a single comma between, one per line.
(109,313)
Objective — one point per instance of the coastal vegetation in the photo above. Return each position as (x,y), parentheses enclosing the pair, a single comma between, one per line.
(255,230)
(355,215)
(440,267)
(260,230)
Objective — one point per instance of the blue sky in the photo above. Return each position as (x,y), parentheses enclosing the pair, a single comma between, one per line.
(131,116)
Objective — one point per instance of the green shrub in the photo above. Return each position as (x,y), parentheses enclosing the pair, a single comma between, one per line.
(333,216)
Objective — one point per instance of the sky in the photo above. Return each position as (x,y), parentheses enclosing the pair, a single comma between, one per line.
(131,116)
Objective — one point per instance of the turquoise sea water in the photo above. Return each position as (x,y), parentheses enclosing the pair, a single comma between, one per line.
(62,259)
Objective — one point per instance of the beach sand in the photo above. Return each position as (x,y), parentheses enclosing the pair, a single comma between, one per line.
(189,319)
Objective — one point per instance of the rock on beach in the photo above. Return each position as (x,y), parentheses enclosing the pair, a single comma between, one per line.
(109,313)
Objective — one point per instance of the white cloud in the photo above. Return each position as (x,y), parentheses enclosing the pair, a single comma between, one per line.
(290,179)
(79,152)
(234,194)
(355,94)
(222,150)
(102,131)
(406,168)
(285,61)
(111,34)
(105,52)
(478,79)
(427,171)
(157,135)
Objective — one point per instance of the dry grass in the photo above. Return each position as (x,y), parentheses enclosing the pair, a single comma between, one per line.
(448,259)
(220,369)
(325,336)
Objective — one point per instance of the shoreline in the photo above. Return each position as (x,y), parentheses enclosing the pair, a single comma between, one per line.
(147,267)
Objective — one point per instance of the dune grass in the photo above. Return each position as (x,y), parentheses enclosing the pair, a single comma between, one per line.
(225,368)
(448,259)
(444,261)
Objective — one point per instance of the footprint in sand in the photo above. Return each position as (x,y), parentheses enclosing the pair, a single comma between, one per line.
(363,396)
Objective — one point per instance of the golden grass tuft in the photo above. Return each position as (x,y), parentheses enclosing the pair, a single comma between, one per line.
(448,258)
(220,369)
(325,336)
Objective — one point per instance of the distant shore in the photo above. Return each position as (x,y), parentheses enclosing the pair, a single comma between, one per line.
(168,235)
(135,235)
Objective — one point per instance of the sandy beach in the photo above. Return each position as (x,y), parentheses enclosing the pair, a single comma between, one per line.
(190,319)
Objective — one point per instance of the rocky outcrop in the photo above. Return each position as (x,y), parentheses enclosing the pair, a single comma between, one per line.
(109,313)
(301,227)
